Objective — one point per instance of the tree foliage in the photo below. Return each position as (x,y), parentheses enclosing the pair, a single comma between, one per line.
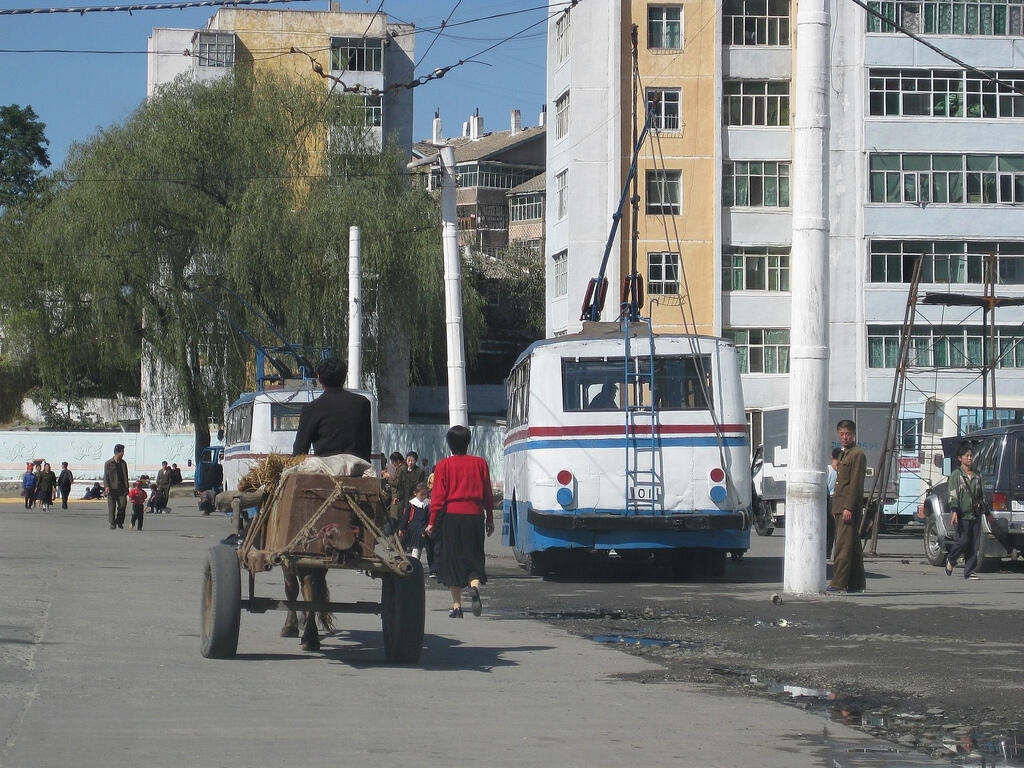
(212,191)
(22,152)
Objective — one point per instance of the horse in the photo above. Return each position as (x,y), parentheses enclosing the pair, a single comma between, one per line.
(314,590)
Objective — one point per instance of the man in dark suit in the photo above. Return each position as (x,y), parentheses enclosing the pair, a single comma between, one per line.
(336,422)
(115,481)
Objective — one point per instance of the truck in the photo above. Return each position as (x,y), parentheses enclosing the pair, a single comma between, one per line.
(769,479)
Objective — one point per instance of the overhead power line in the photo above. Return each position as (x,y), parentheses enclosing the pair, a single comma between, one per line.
(944,54)
(141,7)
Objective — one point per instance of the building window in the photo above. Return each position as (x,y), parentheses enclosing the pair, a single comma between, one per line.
(665,26)
(755,22)
(755,184)
(215,49)
(561,116)
(946,262)
(756,102)
(663,274)
(972,179)
(493,175)
(755,268)
(526,207)
(666,104)
(949,17)
(943,93)
(664,192)
(357,54)
(562,27)
(372,110)
(761,350)
(562,194)
(560,274)
(936,346)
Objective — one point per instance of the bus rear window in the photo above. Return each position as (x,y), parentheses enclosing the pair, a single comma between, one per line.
(239,425)
(284,417)
(596,384)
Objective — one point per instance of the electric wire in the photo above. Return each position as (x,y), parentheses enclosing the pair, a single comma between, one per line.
(82,10)
(437,35)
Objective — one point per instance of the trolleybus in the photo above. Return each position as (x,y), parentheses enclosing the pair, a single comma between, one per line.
(624,444)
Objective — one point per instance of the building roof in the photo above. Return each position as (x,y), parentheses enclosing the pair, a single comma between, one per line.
(488,147)
(537,184)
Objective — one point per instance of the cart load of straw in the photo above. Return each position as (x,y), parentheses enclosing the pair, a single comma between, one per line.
(266,473)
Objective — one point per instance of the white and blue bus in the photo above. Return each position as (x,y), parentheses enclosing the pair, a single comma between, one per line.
(264,422)
(596,465)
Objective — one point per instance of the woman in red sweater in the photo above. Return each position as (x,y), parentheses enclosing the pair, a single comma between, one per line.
(463,501)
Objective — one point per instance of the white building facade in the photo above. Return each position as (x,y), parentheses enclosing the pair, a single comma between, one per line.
(925,159)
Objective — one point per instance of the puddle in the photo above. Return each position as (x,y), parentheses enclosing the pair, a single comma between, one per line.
(643,642)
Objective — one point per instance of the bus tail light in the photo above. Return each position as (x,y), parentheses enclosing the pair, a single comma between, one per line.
(717,491)
(999,502)
(566,494)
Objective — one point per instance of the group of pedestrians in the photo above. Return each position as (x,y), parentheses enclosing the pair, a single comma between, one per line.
(407,485)
(41,487)
(119,491)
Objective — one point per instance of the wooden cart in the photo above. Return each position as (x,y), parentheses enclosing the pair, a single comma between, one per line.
(316,521)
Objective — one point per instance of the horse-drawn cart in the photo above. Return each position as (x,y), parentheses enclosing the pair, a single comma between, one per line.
(312,523)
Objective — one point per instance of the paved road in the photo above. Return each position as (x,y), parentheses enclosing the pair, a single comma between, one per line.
(100,666)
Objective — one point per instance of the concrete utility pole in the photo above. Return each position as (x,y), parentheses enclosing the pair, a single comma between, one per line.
(355,309)
(458,410)
(808,373)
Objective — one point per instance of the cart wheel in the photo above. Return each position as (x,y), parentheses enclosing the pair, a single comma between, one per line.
(222,603)
(402,613)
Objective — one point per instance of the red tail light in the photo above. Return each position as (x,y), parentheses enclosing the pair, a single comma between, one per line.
(999,502)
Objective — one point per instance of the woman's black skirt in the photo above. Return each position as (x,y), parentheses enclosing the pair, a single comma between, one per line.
(462,554)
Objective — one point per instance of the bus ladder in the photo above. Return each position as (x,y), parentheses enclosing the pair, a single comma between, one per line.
(643,457)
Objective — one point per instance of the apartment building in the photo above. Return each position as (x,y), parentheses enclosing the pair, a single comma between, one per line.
(926,160)
(361,48)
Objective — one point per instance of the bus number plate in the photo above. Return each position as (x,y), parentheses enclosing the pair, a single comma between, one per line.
(644,493)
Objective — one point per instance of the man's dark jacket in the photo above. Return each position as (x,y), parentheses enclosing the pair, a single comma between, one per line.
(115,477)
(336,422)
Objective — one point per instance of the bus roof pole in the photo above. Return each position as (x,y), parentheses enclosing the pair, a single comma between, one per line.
(594,310)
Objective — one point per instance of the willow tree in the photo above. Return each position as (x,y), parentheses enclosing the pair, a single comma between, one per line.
(244,187)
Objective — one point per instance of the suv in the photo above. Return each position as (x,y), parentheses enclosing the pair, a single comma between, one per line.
(999,457)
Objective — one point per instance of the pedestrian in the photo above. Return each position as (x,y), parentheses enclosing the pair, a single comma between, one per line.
(966,489)
(847,509)
(462,499)
(28,485)
(115,487)
(162,492)
(389,475)
(96,492)
(46,487)
(64,481)
(175,475)
(37,469)
(137,495)
(409,476)
(417,514)
(830,484)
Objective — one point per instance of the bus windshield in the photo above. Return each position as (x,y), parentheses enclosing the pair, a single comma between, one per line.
(284,417)
(595,384)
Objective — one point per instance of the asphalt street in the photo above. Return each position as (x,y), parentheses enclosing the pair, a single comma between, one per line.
(100,666)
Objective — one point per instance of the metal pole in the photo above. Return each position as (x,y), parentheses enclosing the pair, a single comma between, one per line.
(993,350)
(458,410)
(808,390)
(355,309)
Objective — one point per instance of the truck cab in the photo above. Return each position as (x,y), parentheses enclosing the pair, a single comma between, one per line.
(209,474)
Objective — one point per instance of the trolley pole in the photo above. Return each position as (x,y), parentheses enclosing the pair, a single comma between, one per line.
(355,309)
(808,388)
(458,410)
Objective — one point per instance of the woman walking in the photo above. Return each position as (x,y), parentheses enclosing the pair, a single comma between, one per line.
(46,487)
(462,499)
(967,500)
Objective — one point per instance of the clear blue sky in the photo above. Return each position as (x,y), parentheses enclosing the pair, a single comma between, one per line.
(75,95)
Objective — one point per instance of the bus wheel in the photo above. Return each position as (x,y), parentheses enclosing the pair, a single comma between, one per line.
(537,564)
(714,562)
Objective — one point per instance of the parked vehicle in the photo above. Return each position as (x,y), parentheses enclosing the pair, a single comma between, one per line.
(772,464)
(626,445)
(999,457)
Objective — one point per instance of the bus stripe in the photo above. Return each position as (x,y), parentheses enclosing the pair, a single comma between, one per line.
(618,429)
(621,442)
